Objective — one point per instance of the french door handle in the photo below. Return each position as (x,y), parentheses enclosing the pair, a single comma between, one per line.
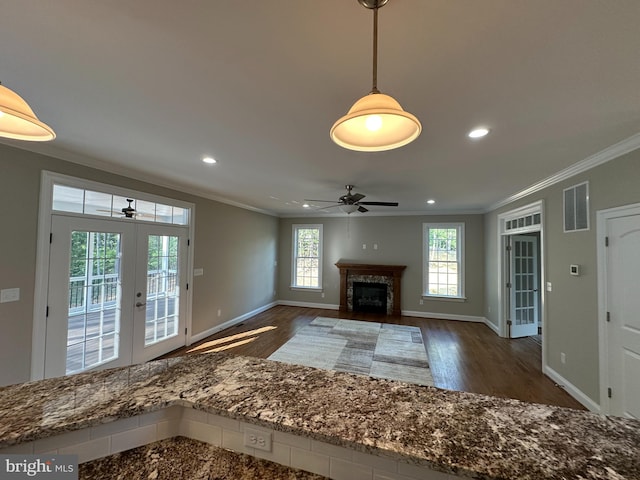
(140,304)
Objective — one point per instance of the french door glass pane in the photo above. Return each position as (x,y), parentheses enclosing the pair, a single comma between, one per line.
(163,291)
(93,320)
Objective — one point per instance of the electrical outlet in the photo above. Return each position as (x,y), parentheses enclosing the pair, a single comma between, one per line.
(375,246)
(9,295)
(219,312)
(421,301)
(258,439)
(322,295)
(364,246)
(563,358)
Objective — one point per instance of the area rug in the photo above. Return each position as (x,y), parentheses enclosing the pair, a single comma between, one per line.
(382,350)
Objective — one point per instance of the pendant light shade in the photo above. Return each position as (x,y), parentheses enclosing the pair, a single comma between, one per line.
(376,122)
(18,121)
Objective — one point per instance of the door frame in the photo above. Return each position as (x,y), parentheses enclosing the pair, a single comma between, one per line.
(602,216)
(41,288)
(502,234)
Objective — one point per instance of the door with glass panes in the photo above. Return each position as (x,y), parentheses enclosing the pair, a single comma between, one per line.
(115,293)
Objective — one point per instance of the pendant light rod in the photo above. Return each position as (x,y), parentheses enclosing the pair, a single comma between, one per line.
(374,82)
(374,5)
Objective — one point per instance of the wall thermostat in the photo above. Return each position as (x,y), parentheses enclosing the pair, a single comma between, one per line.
(574,269)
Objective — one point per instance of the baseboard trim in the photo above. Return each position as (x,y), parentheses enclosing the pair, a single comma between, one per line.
(230,323)
(495,328)
(443,316)
(571,389)
(291,303)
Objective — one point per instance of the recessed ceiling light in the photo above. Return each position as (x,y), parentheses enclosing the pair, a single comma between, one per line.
(305,205)
(431,201)
(478,132)
(209,160)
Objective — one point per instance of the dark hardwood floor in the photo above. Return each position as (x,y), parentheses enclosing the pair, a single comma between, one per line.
(463,355)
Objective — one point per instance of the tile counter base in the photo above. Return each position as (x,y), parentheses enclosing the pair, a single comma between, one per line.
(187,459)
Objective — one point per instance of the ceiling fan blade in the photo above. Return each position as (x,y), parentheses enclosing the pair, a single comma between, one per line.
(357,197)
(323,201)
(382,204)
(328,206)
(361,209)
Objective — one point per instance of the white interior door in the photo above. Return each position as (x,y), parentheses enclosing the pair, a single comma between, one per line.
(623,305)
(116,293)
(160,297)
(524,286)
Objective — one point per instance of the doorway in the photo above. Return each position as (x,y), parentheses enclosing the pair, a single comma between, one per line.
(112,276)
(115,293)
(521,274)
(523,286)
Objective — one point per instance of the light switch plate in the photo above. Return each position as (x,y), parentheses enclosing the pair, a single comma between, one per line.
(197,272)
(9,295)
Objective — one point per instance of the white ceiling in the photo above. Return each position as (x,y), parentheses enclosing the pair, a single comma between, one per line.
(147,88)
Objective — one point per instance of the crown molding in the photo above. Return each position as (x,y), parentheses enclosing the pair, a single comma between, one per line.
(60,153)
(610,153)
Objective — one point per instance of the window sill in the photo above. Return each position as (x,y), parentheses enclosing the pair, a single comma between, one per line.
(443,298)
(305,289)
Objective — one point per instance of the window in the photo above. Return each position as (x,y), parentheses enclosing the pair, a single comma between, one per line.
(443,260)
(307,257)
(89,202)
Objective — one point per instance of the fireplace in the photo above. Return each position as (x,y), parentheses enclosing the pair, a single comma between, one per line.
(389,276)
(369,297)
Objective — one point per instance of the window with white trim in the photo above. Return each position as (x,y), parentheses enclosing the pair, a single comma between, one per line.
(306,271)
(443,264)
(89,202)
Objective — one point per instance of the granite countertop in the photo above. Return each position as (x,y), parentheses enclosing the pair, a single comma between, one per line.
(456,432)
(182,457)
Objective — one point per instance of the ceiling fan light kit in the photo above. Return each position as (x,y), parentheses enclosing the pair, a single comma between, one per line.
(18,121)
(376,122)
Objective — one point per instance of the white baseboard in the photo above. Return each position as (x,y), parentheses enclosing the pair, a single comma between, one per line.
(230,323)
(291,303)
(444,316)
(492,326)
(571,389)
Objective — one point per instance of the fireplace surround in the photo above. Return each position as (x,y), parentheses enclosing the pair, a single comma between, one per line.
(391,275)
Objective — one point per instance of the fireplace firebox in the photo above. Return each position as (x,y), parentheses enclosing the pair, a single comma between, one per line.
(370,297)
(389,275)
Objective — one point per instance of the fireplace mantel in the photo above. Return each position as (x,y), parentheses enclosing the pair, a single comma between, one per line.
(392,271)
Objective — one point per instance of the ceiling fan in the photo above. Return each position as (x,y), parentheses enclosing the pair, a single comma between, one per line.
(350,202)
(127,212)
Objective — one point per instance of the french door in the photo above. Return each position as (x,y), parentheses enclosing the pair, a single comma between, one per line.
(115,293)
(524,286)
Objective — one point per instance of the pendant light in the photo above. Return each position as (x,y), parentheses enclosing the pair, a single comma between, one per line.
(18,121)
(376,122)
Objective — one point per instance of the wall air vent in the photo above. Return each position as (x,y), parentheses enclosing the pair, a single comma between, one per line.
(576,208)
